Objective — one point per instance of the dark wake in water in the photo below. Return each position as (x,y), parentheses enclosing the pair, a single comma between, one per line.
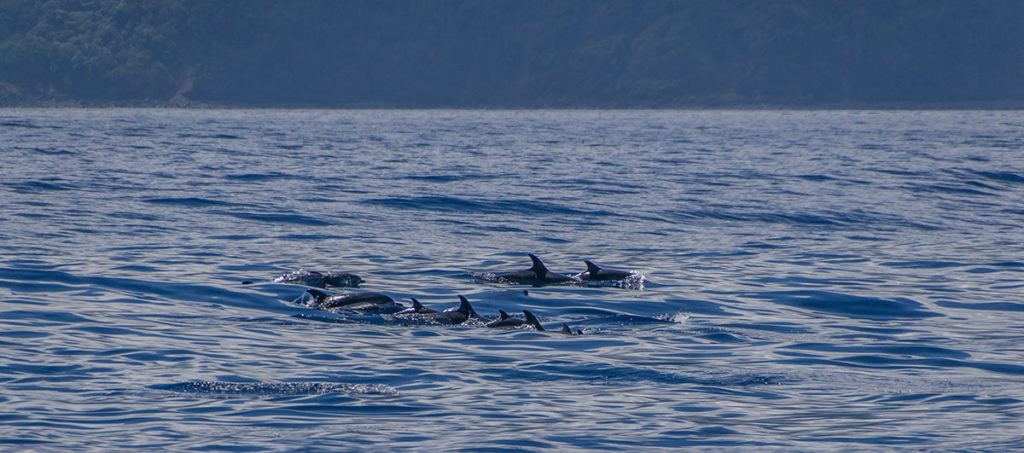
(274,389)
(849,305)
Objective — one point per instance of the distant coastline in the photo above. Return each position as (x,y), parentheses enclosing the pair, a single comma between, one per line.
(514,54)
(151,104)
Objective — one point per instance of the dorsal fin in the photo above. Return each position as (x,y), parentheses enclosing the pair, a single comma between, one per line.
(464,307)
(503,314)
(473,313)
(538,267)
(318,296)
(532,320)
(592,268)
(565,329)
(416,305)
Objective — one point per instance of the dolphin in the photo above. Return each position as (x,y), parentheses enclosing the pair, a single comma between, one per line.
(472,313)
(532,320)
(342,279)
(458,316)
(417,307)
(508,322)
(536,275)
(566,330)
(318,280)
(595,273)
(359,301)
(505,321)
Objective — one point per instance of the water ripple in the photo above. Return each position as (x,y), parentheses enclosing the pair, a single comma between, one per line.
(818,280)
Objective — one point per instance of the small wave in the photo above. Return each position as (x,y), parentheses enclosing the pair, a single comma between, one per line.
(678,318)
(448,178)
(16,123)
(636,281)
(1001,176)
(624,319)
(270,388)
(36,186)
(948,189)
(816,178)
(491,277)
(278,218)
(186,201)
(455,204)
(721,337)
(883,351)
(987,306)
(216,136)
(610,374)
(784,328)
(699,306)
(931,264)
(261,176)
(52,152)
(829,219)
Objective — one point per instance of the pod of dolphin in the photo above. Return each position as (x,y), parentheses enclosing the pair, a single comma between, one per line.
(377,303)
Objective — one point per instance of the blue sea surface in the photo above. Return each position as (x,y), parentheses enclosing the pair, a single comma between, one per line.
(816,280)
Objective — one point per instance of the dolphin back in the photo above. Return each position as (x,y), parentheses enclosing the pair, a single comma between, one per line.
(532,320)
(416,305)
(464,307)
(538,267)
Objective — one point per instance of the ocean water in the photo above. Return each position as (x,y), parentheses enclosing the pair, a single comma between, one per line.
(815,280)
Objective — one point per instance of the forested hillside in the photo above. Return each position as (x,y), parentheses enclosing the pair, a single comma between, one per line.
(513,53)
